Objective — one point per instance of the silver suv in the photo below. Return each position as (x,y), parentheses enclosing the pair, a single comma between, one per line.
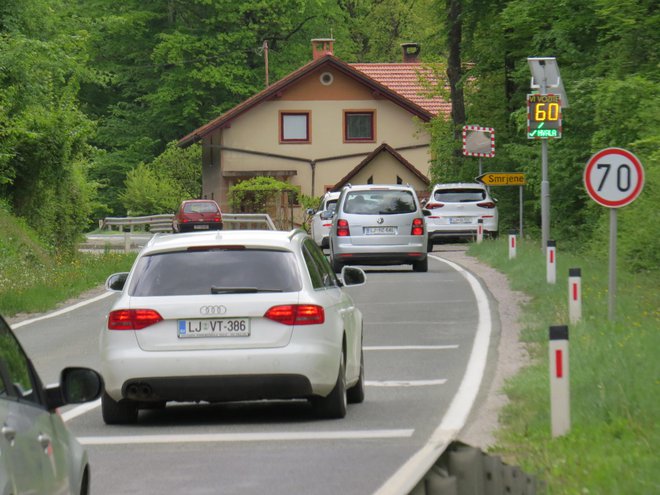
(378,225)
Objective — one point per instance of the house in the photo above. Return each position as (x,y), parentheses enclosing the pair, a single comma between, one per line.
(323,125)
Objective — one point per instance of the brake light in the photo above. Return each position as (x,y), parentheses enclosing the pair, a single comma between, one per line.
(486,204)
(217,219)
(417,227)
(342,228)
(132,319)
(430,206)
(296,314)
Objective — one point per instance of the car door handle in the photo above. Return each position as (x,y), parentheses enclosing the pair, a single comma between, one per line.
(45,441)
(9,433)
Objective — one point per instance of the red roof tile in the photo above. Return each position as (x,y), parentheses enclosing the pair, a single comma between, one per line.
(404,79)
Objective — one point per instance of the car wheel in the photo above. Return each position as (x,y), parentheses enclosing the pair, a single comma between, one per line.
(429,246)
(421,266)
(116,413)
(355,394)
(334,405)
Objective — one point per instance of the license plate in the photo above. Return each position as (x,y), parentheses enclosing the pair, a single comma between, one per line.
(460,220)
(200,227)
(225,327)
(379,230)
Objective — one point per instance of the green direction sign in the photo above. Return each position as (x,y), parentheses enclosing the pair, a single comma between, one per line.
(543,116)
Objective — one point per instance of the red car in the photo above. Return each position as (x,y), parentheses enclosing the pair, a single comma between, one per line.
(197,214)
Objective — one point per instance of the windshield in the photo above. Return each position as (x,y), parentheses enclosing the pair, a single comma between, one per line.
(379,202)
(215,271)
(459,195)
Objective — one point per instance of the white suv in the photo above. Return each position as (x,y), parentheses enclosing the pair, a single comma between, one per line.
(378,225)
(231,316)
(322,219)
(456,209)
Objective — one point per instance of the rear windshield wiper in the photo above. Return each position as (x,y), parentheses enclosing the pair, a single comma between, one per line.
(240,290)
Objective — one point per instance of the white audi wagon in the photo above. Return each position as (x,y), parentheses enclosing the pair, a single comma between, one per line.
(232,315)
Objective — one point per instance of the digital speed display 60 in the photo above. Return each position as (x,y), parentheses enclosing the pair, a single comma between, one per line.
(543,116)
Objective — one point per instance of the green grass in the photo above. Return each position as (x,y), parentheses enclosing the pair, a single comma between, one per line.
(32,279)
(614,377)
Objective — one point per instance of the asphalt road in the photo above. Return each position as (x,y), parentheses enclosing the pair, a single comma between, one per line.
(426,339)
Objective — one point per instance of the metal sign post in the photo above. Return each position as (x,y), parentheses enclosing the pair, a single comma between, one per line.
(613,178)
(543,112)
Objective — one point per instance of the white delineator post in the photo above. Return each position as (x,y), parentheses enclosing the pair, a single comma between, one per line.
(480,230)
(551,256)
(512,244)
(560,404)
(574,295)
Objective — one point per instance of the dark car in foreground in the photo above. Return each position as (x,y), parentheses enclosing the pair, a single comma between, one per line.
(38,455)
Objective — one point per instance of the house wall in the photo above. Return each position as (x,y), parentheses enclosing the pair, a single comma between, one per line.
(384,169)
(258,130)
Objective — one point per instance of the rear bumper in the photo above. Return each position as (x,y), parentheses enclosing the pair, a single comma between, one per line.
(295,371)
(380,258)
(201,226)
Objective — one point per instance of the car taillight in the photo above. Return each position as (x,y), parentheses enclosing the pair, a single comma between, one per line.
(430,206)
(486,204)
(132,319)
(342,228)
(217,219)
(417,227)
(296,314)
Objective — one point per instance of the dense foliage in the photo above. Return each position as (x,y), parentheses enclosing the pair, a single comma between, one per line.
(91,92)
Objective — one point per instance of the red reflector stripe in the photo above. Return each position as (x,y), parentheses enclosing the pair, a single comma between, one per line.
(559,365)
(575,292)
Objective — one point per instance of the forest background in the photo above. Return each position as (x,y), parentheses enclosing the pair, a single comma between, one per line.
(94,94)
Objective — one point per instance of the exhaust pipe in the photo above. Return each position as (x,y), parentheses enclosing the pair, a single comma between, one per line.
(139,391)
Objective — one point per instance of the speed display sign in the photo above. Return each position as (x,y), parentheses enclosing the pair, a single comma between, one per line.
(614,177)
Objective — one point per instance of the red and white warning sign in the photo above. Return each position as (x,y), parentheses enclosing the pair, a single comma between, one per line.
(478,141)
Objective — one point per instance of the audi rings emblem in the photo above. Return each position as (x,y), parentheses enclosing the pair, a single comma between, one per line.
(380,220)
(212,310)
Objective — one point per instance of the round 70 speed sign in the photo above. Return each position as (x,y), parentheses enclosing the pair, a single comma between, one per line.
(614,177)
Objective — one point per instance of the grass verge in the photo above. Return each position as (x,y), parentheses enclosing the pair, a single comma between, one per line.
(614,377)
(31,283)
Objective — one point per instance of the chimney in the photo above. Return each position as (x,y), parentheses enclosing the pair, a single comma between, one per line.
(410,53)
(322,47)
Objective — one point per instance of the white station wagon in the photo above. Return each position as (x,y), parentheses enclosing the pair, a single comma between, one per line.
(232,316)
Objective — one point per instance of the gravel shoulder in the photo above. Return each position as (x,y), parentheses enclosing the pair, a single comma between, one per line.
(511,355)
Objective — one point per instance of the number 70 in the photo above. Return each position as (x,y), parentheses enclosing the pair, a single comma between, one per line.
(623,176)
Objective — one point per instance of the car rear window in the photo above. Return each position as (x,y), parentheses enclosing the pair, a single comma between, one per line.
(459,195)
(196,272)
(381,202)
(200,208)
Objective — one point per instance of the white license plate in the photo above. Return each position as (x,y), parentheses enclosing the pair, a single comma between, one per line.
(225,327)
(379,230)
(200,227)
(460,220)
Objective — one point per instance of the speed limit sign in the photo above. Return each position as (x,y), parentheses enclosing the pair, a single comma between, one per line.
(614,177)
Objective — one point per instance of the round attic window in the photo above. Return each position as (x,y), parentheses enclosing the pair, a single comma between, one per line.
(326,78)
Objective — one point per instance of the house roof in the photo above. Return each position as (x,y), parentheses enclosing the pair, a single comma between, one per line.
(382,148)
(399,88)
(404,79)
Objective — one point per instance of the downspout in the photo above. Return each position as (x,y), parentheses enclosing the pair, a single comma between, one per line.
(312,163)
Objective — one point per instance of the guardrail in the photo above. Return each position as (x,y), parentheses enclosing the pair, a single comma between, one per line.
(462,469)
(163,223)
(156,223)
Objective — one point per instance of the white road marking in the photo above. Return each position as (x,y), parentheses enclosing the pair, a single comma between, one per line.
(409,474)
(63,310)
(404,383)
(247,437)
(408,347)
(79,410)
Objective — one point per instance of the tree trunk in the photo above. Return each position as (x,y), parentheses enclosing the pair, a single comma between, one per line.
(454,70)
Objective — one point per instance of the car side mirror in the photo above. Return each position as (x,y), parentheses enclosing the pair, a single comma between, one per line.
(353,276)
(77,385)
(116,281)
(310,211)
